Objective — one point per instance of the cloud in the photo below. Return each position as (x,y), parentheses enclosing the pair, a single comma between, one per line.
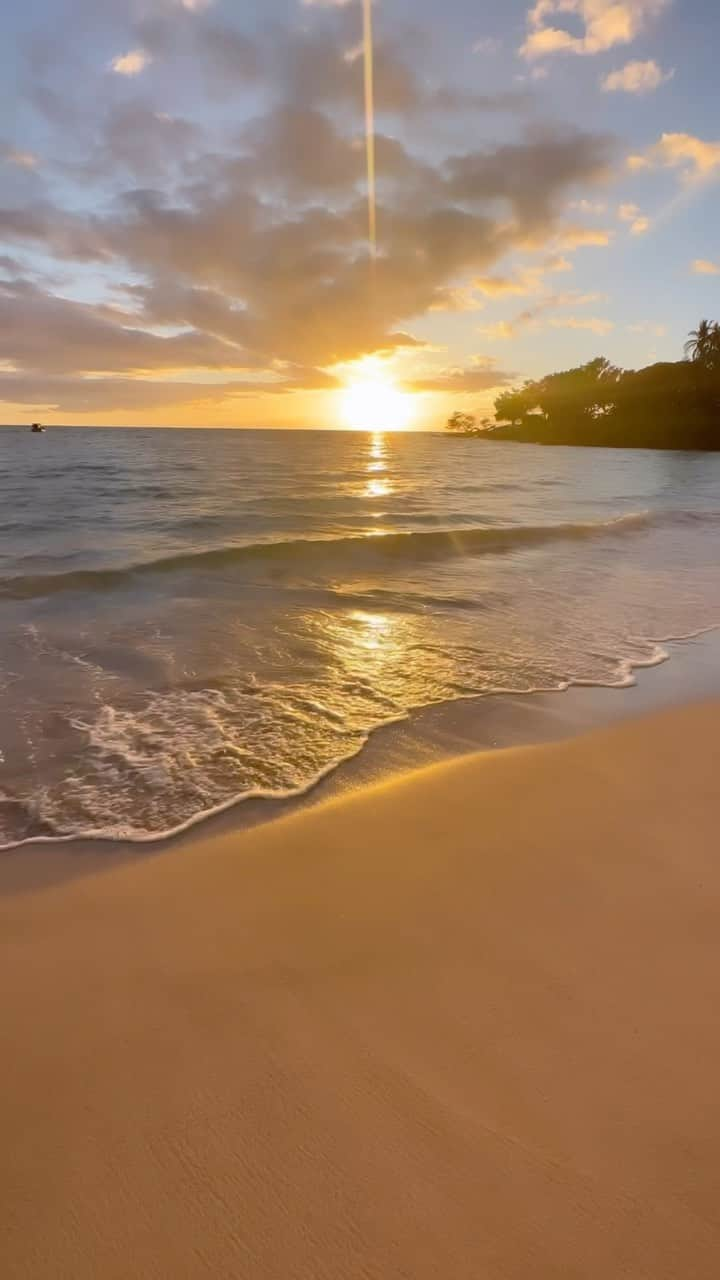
(481,375)
(324,65)
(592,323)
(43,332)
(530,174)
(606,23)
(695,158)
(576,237)
(10,266)
(132,63)
(14,156)
(300,150)
(703,267)
(224,57)
(487,45)
(637,220)
(318,64)
(636,77)
(133,140)
(557,262)
(532,316)
(528,281)
(62,235)
(79,395)
(296,285)
(589,206)
(501,331)
(247,250)
(457,299)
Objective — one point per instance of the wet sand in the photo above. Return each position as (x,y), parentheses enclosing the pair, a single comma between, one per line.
(462,1024)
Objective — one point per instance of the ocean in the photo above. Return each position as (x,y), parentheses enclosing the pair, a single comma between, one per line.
(194,617)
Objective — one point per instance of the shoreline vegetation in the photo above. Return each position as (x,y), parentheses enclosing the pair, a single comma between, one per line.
(664,406)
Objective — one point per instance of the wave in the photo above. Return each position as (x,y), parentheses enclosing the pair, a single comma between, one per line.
(367,550)
(49,831)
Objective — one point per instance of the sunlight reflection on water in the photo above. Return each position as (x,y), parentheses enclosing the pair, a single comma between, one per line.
(377,489)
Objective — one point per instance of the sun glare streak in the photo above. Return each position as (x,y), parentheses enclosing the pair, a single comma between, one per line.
(370,124)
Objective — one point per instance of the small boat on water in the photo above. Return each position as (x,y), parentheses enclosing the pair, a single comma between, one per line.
(37,428)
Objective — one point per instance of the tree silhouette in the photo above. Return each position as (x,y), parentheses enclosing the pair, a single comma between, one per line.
(665,406)
(703,344)
(461,423)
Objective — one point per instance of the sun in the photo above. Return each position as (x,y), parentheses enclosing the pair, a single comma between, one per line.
(372,402)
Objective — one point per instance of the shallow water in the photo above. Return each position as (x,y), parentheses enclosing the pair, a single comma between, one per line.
(191,617)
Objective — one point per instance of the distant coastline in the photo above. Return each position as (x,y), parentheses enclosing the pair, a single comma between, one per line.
(664,406)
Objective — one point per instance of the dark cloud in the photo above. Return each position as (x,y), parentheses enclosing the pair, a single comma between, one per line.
(10,266)
(207,310)
(64,235)
(321,66)
(533,174)
(299,150)
(223,53)
(143,142)
(39,331)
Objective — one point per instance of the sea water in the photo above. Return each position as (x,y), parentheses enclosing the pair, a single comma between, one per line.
(193,617)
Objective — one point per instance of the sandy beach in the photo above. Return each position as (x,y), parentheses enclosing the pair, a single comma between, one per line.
(462,1024)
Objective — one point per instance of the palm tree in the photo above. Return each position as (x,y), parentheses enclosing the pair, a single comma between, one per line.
(702,343)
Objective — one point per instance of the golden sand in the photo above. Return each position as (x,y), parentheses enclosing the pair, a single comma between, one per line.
(464,1025)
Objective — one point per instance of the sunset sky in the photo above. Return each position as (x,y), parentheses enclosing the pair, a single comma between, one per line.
(183,214)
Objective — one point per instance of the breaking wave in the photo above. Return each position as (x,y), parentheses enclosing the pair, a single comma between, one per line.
(318,555)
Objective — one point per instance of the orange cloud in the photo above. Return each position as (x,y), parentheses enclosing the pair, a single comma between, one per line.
(576,237)
(694,157)
(533,316)
(501,331)
(131,63)
(606,23)
(636,77)
(637,220)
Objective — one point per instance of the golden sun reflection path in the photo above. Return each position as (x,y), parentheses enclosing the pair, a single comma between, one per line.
(378,485)
(378,446)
